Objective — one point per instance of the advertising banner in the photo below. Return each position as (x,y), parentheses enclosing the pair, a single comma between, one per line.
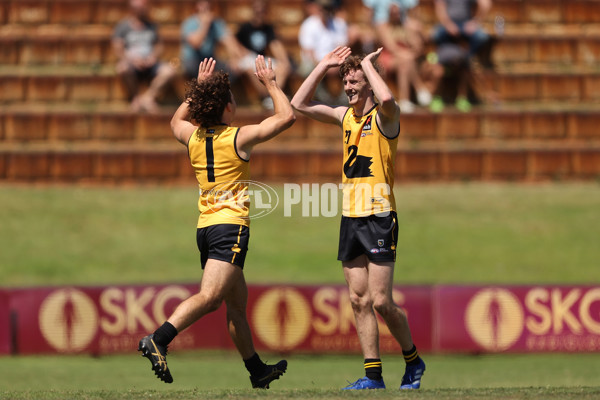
(5,339)
(517,319)
(112,319)
(311,319)
(101,320)
(319,319)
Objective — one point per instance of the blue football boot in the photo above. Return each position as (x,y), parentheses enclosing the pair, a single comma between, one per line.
(412,376)
(365,383)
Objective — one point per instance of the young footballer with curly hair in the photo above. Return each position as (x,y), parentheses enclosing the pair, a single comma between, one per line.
(220,155)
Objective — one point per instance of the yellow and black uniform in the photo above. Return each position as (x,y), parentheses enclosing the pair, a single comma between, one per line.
(224,201)
(369,222)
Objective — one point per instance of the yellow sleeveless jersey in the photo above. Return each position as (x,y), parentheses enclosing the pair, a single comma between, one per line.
(222,176)
(368,174)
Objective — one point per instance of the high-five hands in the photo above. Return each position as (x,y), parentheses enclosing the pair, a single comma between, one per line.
(206,68)
(264,72)
(373,56)
(337,56)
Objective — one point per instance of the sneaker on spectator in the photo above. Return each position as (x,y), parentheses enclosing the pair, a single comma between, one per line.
(424,97)
(406,106)
(462,104)
(437,105)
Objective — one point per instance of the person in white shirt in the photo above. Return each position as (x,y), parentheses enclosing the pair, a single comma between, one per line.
(319,34)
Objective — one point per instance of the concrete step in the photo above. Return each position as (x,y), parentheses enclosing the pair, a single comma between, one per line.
(59,44)
(566,50)
(123,164)
(164,12)
(527,82)
(530,11)
(110,122)
(35,12)
(73,12)
(67,83)
(56,44)
(543,85)
(98,123)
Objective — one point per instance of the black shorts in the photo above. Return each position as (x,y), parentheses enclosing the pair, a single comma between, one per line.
(375,236)
(223,242)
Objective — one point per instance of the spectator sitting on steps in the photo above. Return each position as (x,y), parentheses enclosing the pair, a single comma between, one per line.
(401,33)
(137,45)
(257,36)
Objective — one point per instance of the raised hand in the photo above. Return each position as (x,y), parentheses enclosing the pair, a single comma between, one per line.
(264,72)
(337,56)
(373,56)
(206,68)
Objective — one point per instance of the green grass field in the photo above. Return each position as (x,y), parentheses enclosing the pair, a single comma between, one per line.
(449,233)
(208,375)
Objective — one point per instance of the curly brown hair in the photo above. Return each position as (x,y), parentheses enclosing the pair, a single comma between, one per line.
(207,100)
(352,63)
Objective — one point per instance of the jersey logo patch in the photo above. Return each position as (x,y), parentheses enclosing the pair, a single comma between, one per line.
(357,166)
(366,129)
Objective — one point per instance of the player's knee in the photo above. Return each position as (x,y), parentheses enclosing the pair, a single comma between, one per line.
(212,302)
(383,305)
(360,302)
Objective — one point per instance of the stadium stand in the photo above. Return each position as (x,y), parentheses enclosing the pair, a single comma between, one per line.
(64,114)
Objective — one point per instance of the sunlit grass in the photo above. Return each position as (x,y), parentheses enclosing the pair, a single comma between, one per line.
(449,233)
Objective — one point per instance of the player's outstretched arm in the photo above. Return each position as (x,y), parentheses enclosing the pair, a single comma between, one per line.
(389,114)
(181,126)
(302,100)
(283,118)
